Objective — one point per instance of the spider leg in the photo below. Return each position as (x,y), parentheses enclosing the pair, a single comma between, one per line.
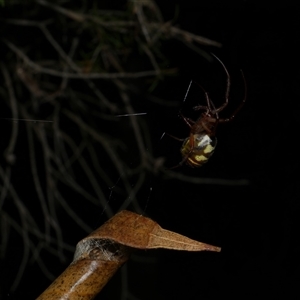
(210,109)
(200,107)
(215,112)
(187,155)
(208,100)
(175,137)
(241,104)
(187,91)
(188,121)
(178,165)
(207,107)
(227,86)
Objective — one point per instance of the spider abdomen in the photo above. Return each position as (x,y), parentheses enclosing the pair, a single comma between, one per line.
(197,149)
(200,145)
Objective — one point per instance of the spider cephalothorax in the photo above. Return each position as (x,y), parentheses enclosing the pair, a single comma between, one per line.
(200,145)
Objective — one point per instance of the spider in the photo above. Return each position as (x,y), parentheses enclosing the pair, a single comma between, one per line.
(200,145)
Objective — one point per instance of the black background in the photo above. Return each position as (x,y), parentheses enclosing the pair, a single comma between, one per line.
(255,225)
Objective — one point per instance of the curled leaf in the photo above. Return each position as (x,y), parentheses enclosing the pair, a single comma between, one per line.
(100,254)
(136,231)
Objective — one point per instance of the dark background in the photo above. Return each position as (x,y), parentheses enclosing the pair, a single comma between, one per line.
(256,223)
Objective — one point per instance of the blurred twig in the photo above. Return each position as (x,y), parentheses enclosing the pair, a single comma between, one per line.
(78,70)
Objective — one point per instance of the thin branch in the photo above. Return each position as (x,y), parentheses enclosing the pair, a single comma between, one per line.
(52,72)
(210,181)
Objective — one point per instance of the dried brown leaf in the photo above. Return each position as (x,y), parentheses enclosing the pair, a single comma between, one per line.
(99,255)
(139,232)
